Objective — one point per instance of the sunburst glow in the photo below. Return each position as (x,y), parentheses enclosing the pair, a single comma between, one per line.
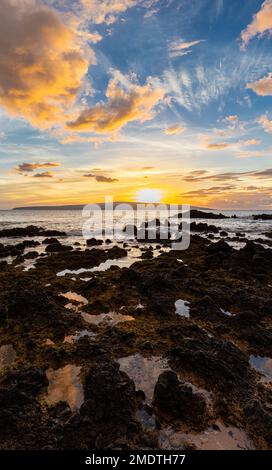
(149,195)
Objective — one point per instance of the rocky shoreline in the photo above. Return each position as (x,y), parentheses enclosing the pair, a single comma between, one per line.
(172,352)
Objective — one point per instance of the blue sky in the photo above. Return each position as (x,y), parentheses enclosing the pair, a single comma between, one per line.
(127,95)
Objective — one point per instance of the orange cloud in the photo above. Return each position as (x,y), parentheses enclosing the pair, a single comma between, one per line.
(249,154)
(261,23)
(173,130)
(248,143)
(266,123)
(92,37)
(127,102)
(232,118)
(41,63)
(218,146)
(262,87)
(232,145)
(72,138)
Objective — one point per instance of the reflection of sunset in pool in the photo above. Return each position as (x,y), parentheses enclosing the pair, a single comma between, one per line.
(263,365)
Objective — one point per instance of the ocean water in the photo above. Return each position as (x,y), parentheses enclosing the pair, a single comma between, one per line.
(71,222)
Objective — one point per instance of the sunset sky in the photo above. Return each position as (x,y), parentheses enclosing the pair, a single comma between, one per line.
(170,98)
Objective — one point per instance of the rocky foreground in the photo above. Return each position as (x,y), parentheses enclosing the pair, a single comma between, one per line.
(145,357)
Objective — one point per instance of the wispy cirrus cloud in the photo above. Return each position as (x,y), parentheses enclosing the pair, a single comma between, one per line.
(232,145)
(234,196)
(229,176)
(151,12)
(219,7)
(99,12)
(108,11)
(174,130)
(204,192)
(261,23)
(72,138)
(179,48)
(197,85)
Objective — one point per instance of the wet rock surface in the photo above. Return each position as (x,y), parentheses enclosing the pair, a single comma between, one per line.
(197,214)
(17,249)
(203,227)
(210,349)
(176,399)
(94,242)
(30,231)
(262,217)
(57,247)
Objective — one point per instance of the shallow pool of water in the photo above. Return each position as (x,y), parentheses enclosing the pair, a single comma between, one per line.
(133,255)
(77,301)
(144,371)
(74,297)
(262,365)
(182,308)
(111,318)
(70,339)
(65,385)
(49,342)
(221,438)
(121,263)
(148,421)
(227,313)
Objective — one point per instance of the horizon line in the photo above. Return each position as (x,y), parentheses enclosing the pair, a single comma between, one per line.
(45,206)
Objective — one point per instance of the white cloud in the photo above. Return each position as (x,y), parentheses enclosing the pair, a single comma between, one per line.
(108,11)
(266,123)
